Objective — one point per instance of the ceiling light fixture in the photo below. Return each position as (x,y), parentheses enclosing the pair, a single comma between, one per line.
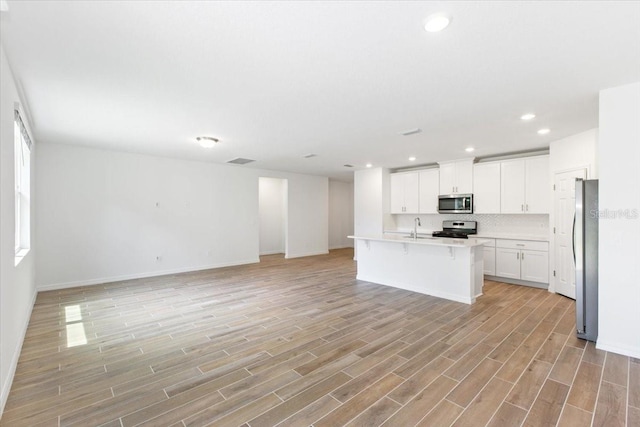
(207,141)
(544,131)
(412,159)
(410,132)
(527,116)
(469,149)
(368,165)
(437,22)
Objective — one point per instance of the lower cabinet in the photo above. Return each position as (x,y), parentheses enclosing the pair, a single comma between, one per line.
(490,258)
(522,260)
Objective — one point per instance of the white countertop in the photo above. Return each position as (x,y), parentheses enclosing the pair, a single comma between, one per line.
(482,235)
(424,240)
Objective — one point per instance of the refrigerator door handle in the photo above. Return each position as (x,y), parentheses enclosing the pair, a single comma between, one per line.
(573,238)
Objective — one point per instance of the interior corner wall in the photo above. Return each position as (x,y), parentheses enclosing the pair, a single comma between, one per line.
(619,220)
(107,216)
(340,214)
(307,230)
(17,283)
(273,205)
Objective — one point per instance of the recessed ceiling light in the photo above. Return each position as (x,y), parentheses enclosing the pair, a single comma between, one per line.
(544,131)
(412,159)
(207,141)
(369,165)
(469,149)
(527,116)
(437,22)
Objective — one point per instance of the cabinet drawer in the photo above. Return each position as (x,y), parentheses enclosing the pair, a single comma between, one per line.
(523,244)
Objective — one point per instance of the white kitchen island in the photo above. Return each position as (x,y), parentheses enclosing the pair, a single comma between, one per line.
(442,267)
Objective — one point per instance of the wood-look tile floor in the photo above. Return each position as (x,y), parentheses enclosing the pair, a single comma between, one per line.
(301,342)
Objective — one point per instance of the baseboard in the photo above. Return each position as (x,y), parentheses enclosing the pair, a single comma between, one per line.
(304,254)
(340,247)
(6,387)
(618,349)
(271,253)
(102,280)
(517,282)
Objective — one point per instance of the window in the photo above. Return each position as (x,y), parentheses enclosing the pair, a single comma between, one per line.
(22,159)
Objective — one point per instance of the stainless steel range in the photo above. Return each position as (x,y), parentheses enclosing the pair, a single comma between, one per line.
(457,229)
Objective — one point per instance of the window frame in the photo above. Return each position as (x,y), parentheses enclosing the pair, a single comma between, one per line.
(22,185)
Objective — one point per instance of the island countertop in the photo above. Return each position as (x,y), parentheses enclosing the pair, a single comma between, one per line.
(425,240)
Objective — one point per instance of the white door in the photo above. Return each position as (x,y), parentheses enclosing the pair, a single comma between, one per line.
(512,186)
(508,263)
(486,188)
(447,178)
(537,186)
(429,191)
(564,201)
(534,266)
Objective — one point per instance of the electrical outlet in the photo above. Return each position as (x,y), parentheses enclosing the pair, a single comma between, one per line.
(159,258)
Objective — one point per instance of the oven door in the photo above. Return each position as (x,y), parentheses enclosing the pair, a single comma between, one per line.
(456,203)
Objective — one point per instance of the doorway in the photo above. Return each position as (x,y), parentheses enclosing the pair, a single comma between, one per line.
(564,212)
(272,206)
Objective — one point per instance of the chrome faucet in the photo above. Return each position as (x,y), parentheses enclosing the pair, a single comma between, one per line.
(416,223)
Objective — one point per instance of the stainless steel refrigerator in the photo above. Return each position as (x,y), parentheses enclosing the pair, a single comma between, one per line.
(585,250)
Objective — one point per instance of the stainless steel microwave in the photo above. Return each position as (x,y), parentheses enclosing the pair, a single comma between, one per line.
(456,203)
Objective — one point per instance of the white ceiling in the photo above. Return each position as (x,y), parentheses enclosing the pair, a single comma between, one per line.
(275,81)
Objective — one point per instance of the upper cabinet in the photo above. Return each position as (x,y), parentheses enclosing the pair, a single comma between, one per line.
(525,185)
(429,191)
(456,177)
(486,188)
(404,193)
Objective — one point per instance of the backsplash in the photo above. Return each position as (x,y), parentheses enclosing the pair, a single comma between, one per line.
(536,225)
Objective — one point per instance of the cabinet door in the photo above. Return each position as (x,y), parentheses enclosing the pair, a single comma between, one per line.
(512,186)
(490,261)
(508,263)
(447,178)
(486,188)
(535,266)
(396,193)
(464,177)
(537,185)
(411,192)
(429,191)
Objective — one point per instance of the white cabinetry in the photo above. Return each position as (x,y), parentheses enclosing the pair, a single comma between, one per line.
(490,257)
(429,191)
(522,260)
(404,192)
(524,185)
(486,188)
(456,177)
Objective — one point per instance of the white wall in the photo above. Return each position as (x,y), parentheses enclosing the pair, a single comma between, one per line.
(106,215)
(272,206)
(619,235)
(576,151)
(371,202)
(307,215)
(340,214)
(17,283)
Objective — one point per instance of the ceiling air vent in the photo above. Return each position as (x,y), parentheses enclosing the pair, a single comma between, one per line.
(240,161)
(308,156)
(348,166)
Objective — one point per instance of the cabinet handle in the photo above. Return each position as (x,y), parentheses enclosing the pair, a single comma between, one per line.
(522,208)
(517,255)
(522,257)
(519,244)
(527,207)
